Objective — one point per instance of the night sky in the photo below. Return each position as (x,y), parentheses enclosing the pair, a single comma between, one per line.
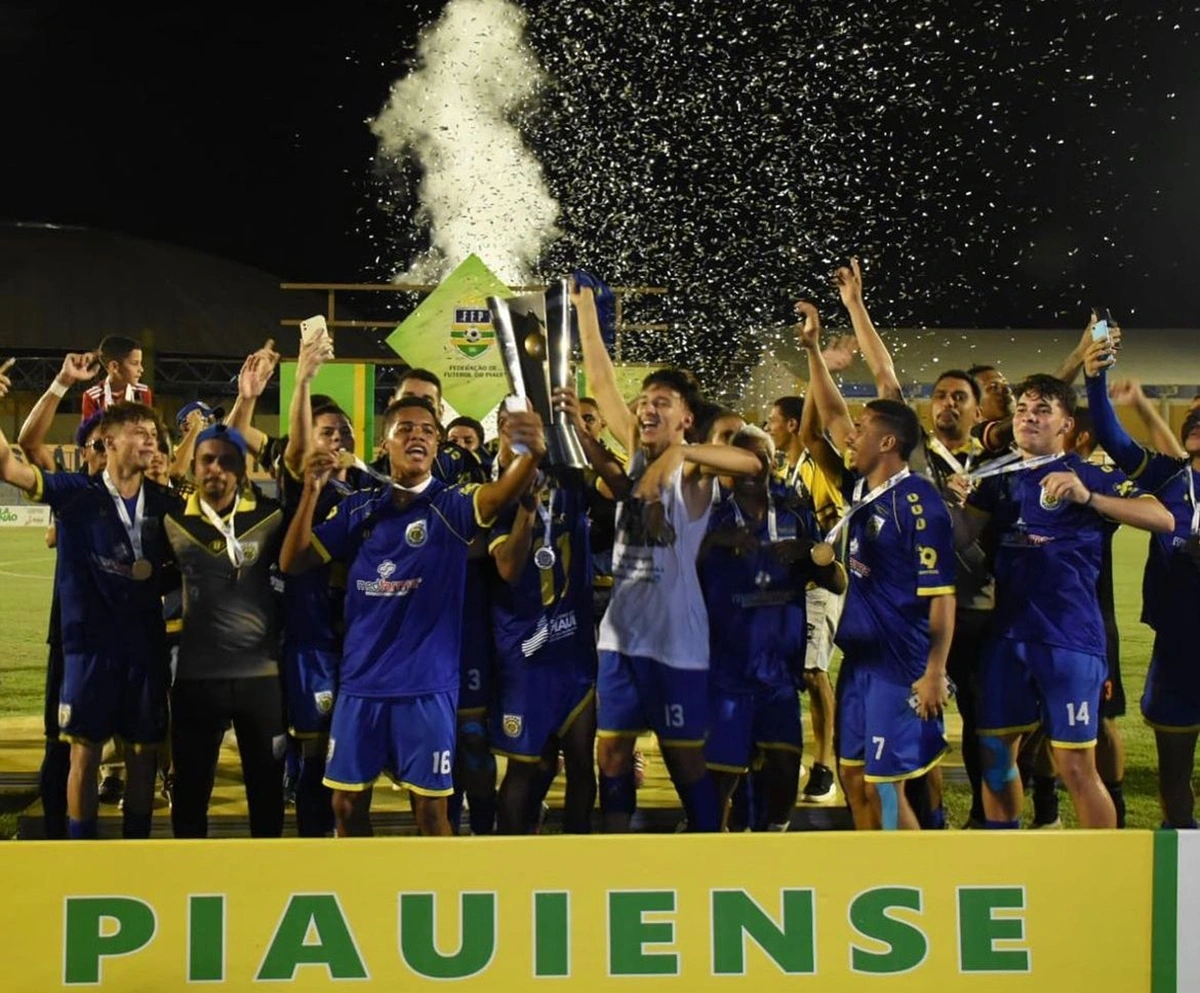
(995,163)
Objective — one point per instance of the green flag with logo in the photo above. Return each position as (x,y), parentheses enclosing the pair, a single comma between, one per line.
(451,334)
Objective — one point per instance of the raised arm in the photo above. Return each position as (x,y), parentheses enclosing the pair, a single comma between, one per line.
(181,462)
(524,429)
(256,372)
(12,469)
(511,551)
(1129,456)
(848,280)
(1129,391)
(598,367)
(76,368)
(312,356)
(1073,364)
(608,467)
(298,553)
(822,391)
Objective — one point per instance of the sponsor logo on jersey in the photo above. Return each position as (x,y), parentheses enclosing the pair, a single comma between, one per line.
(384,585)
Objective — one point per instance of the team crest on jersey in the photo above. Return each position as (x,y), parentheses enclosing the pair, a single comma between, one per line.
(512,724)
(875,525)
(250,551)
(416,534)
(64,714)
(324,701)
(1048,502)
(329,750)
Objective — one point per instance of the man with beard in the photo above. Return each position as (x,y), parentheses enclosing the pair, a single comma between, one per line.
(226,541)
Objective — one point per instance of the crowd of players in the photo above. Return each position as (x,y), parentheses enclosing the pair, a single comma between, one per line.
(457,600)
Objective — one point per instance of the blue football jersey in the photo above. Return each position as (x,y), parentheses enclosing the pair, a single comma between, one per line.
(900,552)
(1049,554)
(546,616)
(406,572)
(756,604)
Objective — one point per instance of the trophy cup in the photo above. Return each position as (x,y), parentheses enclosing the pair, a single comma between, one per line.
(535,343)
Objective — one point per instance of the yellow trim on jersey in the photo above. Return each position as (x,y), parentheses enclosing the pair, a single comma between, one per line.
(1141,468)
(853,762)
(573,716)
(175,625)
(997,732)
(315,544)
(604,733)
(305,735)
(475,506)
(38,493)
(246,501)
(681,742)
(497,542)
(736,770)
(334,784)
(936,591)
(909,775)
(779,746)
(1073,745)
(75,739)
(517,757)
(1172,728)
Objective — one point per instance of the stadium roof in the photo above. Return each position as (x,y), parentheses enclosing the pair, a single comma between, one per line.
(66,287)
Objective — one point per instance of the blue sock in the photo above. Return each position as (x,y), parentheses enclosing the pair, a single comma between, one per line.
(702,804)
(1190,826)
(81,830)
(1002,825)
(618,795)
(937,819)
(482,812)
(314,800)
(889,805)
(135,825)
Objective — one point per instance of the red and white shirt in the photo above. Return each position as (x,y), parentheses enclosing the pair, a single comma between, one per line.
(100,397)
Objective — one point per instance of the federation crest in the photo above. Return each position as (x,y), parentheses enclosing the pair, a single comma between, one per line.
(513,724)
(471,333)
(416,534)
(386,568)
(324,701)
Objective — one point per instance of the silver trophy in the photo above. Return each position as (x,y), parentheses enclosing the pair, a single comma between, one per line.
(535,343)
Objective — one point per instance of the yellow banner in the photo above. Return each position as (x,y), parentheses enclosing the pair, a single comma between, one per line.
(971,911)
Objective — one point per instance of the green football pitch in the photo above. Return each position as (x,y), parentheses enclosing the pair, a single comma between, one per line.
(27,568)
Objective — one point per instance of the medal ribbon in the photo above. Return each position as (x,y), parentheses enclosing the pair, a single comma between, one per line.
(1012,462)
(133,529)
(546,513)
(233,547)
(958,468)
(861,501)
(130,393)
(1191,485)
(772,524)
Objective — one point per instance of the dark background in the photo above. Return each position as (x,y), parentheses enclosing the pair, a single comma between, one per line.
(995,163)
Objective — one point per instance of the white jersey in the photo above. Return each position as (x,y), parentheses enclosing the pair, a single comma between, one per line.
(657,609)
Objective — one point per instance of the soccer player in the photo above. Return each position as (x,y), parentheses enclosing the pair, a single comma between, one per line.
(474,764)
(754,568)
(466,433)
(405,550)
(1171,585)
(1044,663)
(654,637)
(823,607)
(541,617)
(226,542)
(898,621)
(121,359)
(112,550)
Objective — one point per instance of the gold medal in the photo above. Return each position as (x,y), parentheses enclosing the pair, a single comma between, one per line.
(141,570)
(821,553)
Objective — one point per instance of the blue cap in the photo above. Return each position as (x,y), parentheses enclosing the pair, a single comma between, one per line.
(222,432)
(210,413)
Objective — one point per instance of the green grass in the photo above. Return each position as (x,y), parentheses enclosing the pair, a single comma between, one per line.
(27,566)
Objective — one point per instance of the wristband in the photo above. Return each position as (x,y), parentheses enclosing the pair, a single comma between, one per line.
(1088,501)
(58,389)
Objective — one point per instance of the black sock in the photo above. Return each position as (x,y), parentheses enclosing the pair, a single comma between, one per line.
(52,780)
(314,800)
(1117,792)
(1045,800)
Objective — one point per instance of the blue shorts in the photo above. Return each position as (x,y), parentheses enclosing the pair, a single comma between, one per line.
(536,703)
(1171,700)
(636,694)
(476,665)
(878,728)
(312,678)
(768,717)
(411,738)
(105,697)
(1024,684)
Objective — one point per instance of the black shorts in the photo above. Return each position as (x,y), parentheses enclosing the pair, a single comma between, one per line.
(1112,699)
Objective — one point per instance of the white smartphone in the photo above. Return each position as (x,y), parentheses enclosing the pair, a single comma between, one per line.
(516,404)
(313,328)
